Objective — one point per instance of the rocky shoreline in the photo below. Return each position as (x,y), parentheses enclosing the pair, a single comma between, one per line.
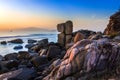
(80,55)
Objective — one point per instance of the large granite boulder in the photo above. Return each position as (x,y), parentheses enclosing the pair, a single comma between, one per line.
(87,56)
(113,28)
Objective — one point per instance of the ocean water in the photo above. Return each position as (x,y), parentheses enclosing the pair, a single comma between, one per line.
(7,36)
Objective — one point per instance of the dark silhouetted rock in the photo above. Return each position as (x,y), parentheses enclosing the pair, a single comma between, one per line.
(11,64)
(3,42)
(11,56)
(16,41)
(53,52)
(18,47)
(20,74)
(113,28)
(23,55)
(39,60)
(29,46)
(43,42)
(32,41)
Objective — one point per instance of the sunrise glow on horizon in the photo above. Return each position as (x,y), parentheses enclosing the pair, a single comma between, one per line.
(85,14)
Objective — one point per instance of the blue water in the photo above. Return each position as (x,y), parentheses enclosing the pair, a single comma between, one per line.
(6,49)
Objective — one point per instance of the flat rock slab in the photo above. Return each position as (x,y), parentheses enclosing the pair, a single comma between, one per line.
(22,74)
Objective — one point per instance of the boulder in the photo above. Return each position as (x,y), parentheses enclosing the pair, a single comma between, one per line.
(79,36)
(3,42)
(86,33)
(68,27)
(23,55)
(113,28)
(68,39)
(43,42)
(43,52)
(1,58)
(61,27)
(95,37)
(53,52)
(39,60)
(16,41)
(61,38)
(20,74)
(11,56)
(18,47)
(11,64)
(29,46)
(32,41)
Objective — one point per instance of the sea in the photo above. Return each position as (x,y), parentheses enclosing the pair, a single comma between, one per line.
(24,35)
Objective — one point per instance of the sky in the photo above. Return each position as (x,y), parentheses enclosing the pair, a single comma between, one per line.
(85,14)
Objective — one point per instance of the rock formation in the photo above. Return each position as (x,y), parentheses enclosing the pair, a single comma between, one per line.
(113,27)
(66,30)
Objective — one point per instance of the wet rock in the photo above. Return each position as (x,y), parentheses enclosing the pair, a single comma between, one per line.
(39,78)
(53,52)
(18,47)
(1,58)
(39,60)
(61,27)
(29,46)
(3,42)
(32,41)
(23,55)
(16,41)
(113,28)
(20,74)
(11,56)
(68,27)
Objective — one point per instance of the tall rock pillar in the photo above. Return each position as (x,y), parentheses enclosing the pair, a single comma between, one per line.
(65,34)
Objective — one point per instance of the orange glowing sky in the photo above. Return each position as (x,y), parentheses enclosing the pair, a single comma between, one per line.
(15,14)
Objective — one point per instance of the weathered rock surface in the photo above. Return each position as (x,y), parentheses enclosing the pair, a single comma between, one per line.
(87,56)
(113,28)
(16,41)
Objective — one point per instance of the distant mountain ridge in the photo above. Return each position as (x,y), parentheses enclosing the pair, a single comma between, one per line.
(35,29)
